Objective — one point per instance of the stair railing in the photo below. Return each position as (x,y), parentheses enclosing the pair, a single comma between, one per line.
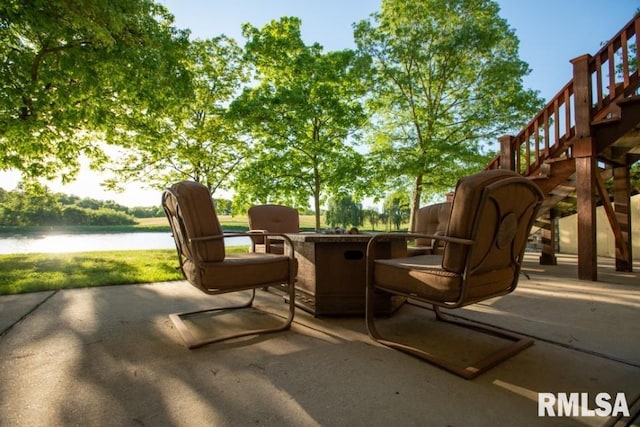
(614,74)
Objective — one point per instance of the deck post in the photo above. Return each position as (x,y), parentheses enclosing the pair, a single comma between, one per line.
(548,237)
(507,153)
(586,168)
(622,208)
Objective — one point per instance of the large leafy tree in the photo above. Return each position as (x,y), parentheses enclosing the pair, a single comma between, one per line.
(447,79)
(72,70)
(303,116)
(196,138)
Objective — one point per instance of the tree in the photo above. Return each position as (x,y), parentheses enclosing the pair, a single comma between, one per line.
(447,78)
(74,71)
(303,115)
(223,206)
(396,209)
(33,204)
(373,216)
(196,139)
(344,211)
(29,204)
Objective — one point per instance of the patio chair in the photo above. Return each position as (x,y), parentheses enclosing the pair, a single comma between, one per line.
(271,219)
(204,264)
(490,221)
(431,220)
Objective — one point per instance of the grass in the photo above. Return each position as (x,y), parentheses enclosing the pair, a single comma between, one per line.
(23,273)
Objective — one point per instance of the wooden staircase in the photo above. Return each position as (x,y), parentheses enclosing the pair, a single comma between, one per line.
(587,134)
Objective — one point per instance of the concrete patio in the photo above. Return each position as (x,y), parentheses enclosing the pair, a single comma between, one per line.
(111,356)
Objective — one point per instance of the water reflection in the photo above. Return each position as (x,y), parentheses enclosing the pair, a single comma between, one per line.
(60,243)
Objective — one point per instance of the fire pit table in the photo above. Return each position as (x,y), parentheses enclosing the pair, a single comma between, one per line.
(332,273)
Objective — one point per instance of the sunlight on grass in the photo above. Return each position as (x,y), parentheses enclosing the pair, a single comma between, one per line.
(41,272)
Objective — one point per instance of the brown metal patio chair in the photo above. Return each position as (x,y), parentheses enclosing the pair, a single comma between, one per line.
(491,218)
(201,252)
(271,219)
(431,220)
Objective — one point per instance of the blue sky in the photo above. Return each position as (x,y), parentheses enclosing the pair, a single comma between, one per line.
(551,33)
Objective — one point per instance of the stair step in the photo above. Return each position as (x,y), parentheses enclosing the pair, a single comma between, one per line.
(538,177)
(607,121)
(629,100)
(557,160)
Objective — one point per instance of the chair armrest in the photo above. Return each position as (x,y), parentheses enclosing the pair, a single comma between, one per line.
(409,236)
(254,241)
(436,241)
(284,237)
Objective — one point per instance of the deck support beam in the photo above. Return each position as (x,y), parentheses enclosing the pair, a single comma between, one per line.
(622,208)
(584,151)
(548,237)
(507,154)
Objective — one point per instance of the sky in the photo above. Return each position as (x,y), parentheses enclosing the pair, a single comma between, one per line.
(551,33)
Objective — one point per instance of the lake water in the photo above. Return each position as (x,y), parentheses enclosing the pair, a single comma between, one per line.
(60,243)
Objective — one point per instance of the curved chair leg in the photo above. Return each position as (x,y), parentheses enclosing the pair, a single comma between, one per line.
(468,372)
(191,341)
(519,343)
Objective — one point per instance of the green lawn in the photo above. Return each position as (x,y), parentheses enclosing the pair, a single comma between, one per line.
(41,272)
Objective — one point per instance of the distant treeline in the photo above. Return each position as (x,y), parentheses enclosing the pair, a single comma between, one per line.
(36,205)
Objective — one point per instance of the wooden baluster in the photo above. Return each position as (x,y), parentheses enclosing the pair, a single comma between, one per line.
(598,62)
(546,132)
(567,114)
(612,73)
(625,58)
(556,122)
(637,32)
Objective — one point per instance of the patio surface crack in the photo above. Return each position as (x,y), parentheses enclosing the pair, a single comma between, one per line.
(27,314)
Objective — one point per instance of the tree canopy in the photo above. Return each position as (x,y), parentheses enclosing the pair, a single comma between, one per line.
(195,138)
(447,79)
(303,116)
(74,71)
(433,81)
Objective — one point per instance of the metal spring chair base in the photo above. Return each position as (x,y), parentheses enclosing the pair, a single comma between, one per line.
(474,369)
(191,341)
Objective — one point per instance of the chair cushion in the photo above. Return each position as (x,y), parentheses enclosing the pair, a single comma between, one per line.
(194,207)
(420,276)
(464,211)
(274,219)
(432,219)
(423,277)
(244,271)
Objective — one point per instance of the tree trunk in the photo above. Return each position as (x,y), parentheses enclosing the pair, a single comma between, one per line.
(415,203)
(316,203)
(316,198)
